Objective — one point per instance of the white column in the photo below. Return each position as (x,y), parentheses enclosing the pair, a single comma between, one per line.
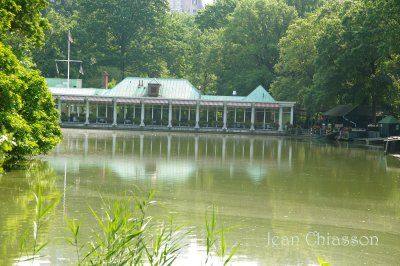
(59,110)
(225,116)
(252,116)
(115,112)
(280,119)
(87,112)
(197,115)
(169,114)
(180,115)
(97,112)
(264,119)
(142,114)
(291,114)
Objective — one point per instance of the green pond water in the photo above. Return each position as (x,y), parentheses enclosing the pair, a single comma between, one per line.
(287,201)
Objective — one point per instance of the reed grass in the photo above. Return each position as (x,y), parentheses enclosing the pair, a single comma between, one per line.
(322,262)
(30,247)
(126,235)
(215,240)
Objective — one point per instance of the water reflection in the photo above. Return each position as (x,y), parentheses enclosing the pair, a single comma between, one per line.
(264,186)
(17,207)
(173,157)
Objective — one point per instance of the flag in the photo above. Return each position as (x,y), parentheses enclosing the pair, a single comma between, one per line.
(70,37)
(81,70)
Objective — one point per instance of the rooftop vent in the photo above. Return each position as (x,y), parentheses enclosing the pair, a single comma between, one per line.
(234,93)
(154,89)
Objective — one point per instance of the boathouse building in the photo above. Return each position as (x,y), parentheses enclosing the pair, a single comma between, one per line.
(170,103)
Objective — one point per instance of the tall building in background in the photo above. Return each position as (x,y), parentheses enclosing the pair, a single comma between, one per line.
(186,6)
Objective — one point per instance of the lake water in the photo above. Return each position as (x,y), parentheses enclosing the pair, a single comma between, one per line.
(286,201)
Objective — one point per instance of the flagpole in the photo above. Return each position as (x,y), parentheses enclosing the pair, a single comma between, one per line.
(69,43)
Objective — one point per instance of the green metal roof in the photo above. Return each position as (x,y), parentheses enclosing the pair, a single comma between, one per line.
(222,98)
(259,95)
(62,83)
(389,120)
(170,88)
(79,92)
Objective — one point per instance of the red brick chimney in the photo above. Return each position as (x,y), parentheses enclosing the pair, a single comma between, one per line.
(104,80)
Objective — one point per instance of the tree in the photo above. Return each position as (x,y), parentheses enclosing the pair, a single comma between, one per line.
(304,7)
(343,53)
(206,60)
(22,24)
(110,32)
(55,44)
(165,50)
(295,68)
(215,16)
(251,44)
(352,54)
(27,110)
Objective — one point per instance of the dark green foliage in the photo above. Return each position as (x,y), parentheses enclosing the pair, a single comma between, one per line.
(336,52)
(55,46)
(22,24)
(110,33)
(304,7)
(27,110)
(343,53)
(251,45)
(215,16)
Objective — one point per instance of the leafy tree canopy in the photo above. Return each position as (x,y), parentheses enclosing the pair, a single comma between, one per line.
(110,32)
(304,7)
(27,110)
(251,44)
(343,53)
(215,16)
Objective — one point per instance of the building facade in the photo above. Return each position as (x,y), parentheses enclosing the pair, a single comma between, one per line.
(186,6)
(170,103)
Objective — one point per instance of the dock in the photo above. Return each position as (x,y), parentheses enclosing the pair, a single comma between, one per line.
(370,141)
